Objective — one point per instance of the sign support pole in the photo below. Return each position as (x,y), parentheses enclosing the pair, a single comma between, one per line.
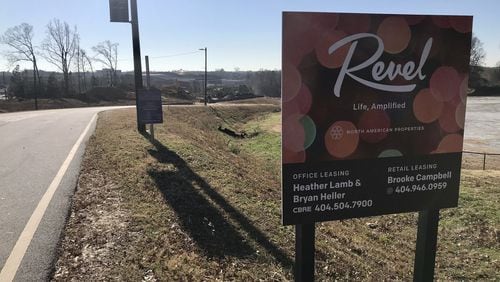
(136,45)
(148,84)
(148,77)
(425,253)
(304,252)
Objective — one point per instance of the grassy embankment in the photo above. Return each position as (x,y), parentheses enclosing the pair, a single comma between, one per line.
(199,205)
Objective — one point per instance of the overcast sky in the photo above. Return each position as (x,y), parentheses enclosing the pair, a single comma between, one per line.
(238,34)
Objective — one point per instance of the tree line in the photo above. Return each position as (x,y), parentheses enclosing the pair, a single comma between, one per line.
(77,74)
(61,48)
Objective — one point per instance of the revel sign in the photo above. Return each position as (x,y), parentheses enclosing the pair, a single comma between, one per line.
(372,114)
(379,71)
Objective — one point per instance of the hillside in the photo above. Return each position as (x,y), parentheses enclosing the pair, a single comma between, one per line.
(200,205)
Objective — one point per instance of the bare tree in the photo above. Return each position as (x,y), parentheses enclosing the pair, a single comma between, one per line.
(88,61)
(20,40)
(477,53)
(60,46)
(107,54)
(83,64)
(93,79)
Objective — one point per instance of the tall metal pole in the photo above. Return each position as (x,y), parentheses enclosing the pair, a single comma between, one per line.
(205,76)
(137,59)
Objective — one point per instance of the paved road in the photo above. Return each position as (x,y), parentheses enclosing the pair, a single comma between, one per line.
(33,148)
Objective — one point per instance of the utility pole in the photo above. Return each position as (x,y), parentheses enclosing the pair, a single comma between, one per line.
(137,59)
(205,49)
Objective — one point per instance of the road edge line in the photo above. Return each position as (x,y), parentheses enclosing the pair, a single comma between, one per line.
(13,262)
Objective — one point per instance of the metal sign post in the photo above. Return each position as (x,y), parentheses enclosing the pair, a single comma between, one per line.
(118,11)
(148,85)
(148,78)
(137,57)
(304,252)
(425,254)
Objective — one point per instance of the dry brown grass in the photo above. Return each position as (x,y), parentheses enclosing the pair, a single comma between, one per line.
(198,205)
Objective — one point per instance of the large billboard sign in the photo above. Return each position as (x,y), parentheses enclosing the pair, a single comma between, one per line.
(372,114)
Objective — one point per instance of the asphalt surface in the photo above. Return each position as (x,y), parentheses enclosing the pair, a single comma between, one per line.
(33,146)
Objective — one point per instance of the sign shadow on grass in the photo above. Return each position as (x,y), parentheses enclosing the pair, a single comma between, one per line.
(199,207)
